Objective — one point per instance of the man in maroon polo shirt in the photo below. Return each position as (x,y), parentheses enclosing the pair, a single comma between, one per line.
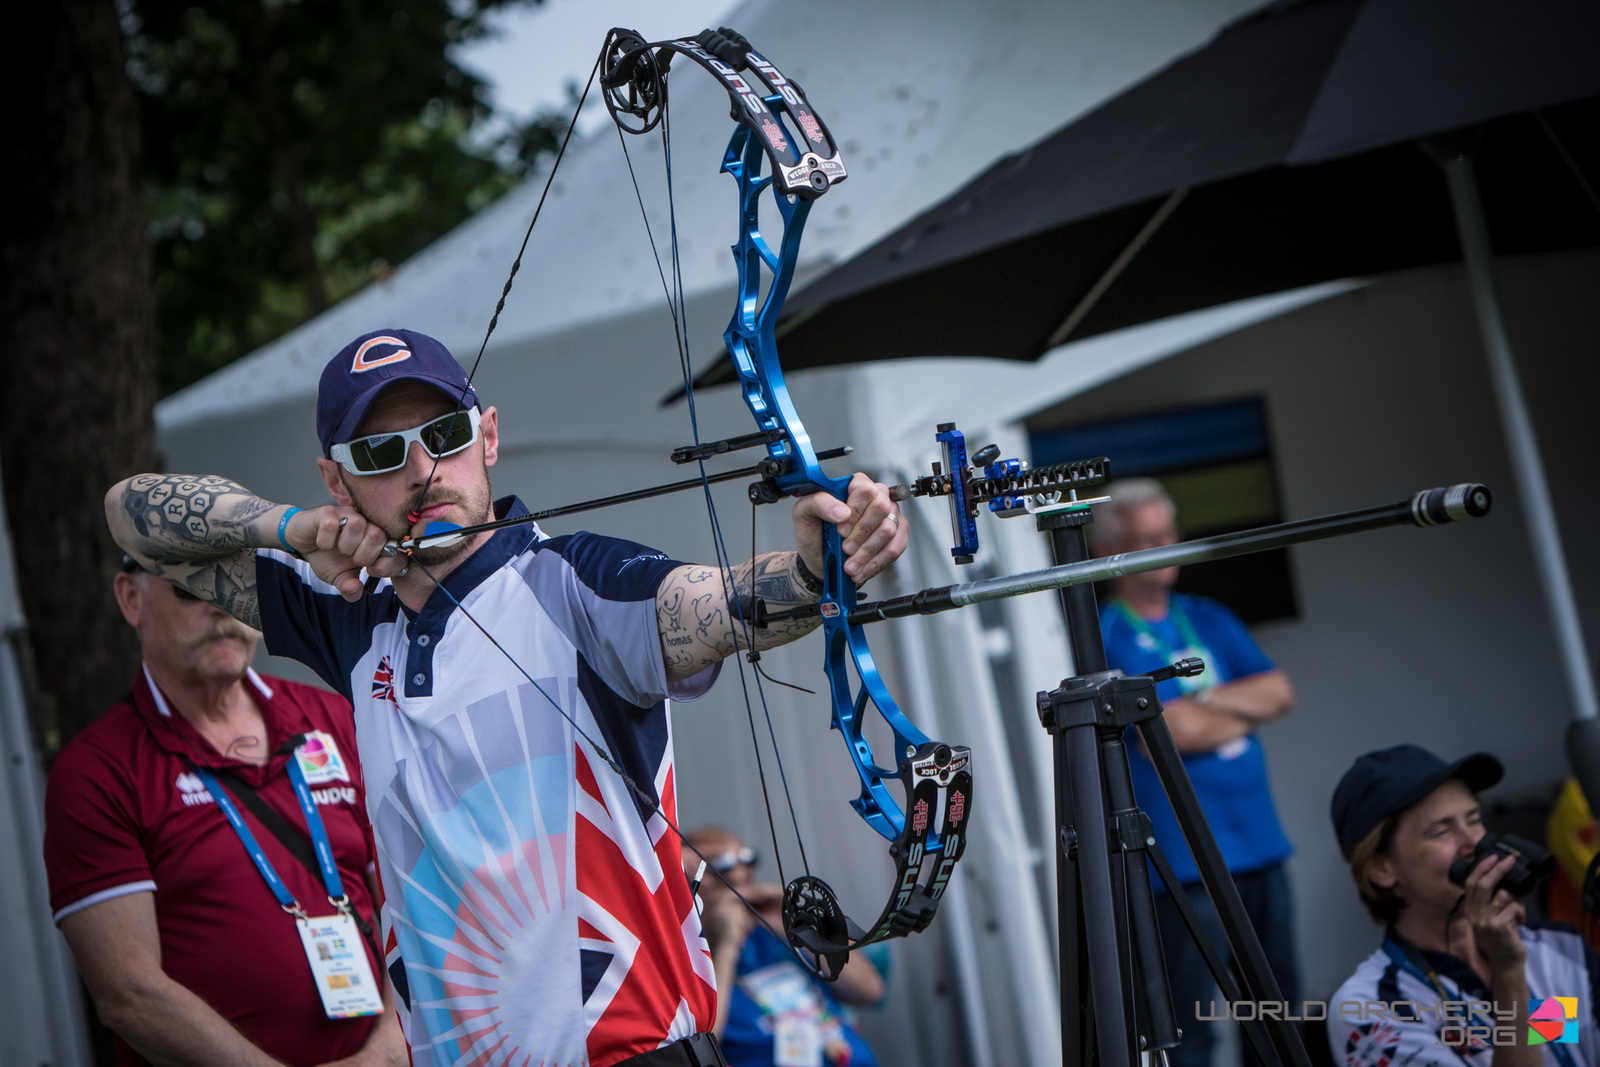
(187,950)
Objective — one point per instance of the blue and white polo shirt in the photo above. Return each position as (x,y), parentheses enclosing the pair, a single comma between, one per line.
(1388,1013)
(532,912)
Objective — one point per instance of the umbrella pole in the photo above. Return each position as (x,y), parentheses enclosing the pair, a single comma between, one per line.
(1454,155)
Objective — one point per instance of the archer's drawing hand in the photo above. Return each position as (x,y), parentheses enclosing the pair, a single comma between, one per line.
(869,522)
(340,543)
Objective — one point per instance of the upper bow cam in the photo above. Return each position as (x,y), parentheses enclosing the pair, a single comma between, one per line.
(777,126)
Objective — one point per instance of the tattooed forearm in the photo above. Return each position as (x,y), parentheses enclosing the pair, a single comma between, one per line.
(698,625)
(182,518)
(196,532)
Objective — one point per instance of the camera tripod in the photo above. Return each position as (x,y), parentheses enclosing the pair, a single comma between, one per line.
(1115,999)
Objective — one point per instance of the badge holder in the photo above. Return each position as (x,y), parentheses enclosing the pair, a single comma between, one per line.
(332,944)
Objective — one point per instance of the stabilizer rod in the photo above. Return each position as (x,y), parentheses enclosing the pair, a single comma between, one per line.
(1431,507)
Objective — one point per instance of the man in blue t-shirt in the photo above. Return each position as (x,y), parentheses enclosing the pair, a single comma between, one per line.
(1213,719)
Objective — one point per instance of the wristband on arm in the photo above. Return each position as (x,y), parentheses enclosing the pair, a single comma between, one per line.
(283,529)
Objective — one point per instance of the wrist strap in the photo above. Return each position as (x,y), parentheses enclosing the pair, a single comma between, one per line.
(812,583)
(283,528)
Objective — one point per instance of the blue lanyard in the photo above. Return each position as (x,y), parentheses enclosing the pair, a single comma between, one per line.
(319,838)
(1403,959)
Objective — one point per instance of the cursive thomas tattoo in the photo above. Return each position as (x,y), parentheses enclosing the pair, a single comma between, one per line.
(699,628)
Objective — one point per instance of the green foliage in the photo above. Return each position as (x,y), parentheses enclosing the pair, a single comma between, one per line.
(295,149)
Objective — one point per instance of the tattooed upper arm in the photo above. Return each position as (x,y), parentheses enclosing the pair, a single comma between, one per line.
(699,629)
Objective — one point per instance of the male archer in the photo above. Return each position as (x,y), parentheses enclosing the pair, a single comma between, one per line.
(534,905)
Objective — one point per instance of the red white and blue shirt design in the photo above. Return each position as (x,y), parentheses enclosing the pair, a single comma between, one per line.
(533,913)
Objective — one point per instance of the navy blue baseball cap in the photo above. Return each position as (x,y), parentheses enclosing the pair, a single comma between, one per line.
(1390,780)
(370,364)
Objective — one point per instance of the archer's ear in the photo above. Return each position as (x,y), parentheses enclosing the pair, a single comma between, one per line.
(331,478)
(489,426)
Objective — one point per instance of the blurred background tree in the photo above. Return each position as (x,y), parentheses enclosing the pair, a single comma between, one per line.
(294,151)
(189,182)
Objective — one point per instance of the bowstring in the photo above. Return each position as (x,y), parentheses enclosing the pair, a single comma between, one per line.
(679,315)
(505,291)
(677,307)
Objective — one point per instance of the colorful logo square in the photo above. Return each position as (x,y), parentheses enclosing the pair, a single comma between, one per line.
(320,760)
(1553,1020)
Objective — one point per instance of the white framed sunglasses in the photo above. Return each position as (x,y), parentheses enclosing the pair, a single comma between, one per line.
(381,453)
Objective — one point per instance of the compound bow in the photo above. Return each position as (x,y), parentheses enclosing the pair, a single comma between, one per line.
(776,126)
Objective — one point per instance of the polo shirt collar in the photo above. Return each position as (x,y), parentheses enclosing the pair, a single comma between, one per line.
(175,734)
(503,546)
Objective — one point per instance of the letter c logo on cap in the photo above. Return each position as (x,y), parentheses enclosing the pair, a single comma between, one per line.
(362,364)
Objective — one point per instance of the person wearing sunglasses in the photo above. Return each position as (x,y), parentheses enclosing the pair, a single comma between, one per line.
(772,1010)
(182,943)
(503,835)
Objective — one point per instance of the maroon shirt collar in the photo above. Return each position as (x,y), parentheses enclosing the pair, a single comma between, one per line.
(173,733)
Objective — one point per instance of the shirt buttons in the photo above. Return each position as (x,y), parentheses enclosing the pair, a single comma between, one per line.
(423,640)
(418,678)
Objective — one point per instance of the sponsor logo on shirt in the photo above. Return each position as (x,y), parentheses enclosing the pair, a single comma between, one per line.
(639,559)
(320,760)
(192,789)
(337,794)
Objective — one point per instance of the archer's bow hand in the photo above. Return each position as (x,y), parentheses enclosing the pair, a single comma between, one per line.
(873,532)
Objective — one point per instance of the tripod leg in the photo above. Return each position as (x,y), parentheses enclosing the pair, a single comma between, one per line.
(1114,1042)
(1077,1023)
(1253,1032)
(1154,997)
(1254,970)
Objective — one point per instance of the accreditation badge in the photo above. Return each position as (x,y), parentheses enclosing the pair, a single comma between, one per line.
(339,966)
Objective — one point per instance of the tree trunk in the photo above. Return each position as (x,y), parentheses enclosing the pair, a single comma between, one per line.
(77,346)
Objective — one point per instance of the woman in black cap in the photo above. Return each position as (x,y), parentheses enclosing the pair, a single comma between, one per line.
(1459,965)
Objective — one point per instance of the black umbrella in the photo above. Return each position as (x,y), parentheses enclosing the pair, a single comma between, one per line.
(1282,153)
